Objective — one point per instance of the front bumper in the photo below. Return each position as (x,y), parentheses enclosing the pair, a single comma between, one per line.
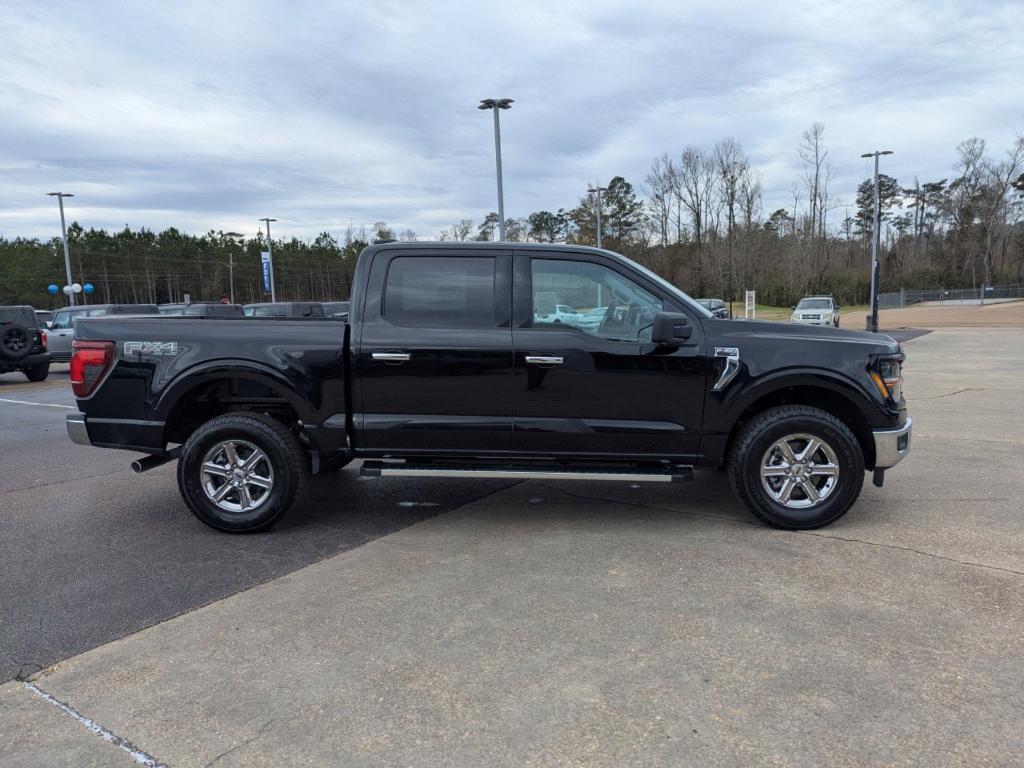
(891,445)
(77,430)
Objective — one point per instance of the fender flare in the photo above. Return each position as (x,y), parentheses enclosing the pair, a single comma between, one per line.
(810,377)
(227,368)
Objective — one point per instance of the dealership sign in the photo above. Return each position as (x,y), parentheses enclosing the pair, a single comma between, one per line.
(265,268)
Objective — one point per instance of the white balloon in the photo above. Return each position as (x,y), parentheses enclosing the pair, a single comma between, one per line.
(67,289)
(76,287)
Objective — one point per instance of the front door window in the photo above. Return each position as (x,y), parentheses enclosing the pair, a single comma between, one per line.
(591,298)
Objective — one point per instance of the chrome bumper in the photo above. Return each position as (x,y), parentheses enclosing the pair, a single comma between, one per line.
(891,445)
(77,430)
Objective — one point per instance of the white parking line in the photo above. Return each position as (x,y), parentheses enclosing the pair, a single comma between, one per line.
(29,402)
(140,757)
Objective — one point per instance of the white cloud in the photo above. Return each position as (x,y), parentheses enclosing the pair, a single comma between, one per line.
(206,115)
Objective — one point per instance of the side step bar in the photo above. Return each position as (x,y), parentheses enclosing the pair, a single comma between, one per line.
(675,474)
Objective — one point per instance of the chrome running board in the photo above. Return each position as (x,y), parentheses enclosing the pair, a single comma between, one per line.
(673,474)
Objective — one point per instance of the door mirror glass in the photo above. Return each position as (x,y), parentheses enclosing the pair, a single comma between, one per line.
(671,329)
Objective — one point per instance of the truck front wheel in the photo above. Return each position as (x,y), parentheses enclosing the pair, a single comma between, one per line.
(796,467)
(241,472)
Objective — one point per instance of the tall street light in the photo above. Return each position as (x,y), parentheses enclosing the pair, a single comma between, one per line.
(596,191)
(270,253)
(64,236)
(231,262)
(875,236)
(495,105)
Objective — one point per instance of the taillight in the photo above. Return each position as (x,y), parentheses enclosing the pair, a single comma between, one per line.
(42,338)
(89,364)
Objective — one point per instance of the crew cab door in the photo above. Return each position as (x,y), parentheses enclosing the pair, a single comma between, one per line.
(434,354)
(591,383)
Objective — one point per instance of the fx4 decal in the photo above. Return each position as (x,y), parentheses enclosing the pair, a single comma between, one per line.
(166,348)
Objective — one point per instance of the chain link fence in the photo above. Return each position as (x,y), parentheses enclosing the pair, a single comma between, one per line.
(941,296)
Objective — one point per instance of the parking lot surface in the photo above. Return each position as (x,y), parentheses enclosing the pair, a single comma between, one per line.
(563,623)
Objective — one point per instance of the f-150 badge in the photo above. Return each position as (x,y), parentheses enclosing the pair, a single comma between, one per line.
(163,348)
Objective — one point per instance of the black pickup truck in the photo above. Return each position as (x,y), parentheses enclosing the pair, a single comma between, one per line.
(492,360)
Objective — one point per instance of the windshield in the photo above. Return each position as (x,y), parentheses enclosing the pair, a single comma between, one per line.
(814,304)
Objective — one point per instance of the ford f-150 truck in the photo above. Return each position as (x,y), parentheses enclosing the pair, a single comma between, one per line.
(449,366)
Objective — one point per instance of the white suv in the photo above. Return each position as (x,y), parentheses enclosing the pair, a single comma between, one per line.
(816,310)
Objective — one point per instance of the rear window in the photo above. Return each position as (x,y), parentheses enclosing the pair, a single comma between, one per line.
(24,316)
(440,292)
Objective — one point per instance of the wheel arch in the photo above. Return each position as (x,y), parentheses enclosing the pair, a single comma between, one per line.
(830,394)
(203,393)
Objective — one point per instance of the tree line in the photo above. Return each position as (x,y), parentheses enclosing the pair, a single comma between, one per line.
(697,219)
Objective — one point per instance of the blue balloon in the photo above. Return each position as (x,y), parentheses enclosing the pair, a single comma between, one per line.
(87,288)
(52,289)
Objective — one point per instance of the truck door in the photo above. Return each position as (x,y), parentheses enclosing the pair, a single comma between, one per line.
(588,381)
(434,353)
(60,336)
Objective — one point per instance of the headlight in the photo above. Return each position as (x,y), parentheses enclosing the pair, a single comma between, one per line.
(888,377)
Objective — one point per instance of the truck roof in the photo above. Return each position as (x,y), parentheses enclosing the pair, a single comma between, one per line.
(477,245)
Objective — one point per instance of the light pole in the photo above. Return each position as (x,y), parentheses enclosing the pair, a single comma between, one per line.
(64,236)
(270,253)
(495,105)
(597,192)
(875,236)
(231,262)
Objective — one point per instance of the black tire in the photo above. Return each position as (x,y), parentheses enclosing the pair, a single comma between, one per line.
(37,372)
(837,322)
(282,452)
(757,438)
(15,341)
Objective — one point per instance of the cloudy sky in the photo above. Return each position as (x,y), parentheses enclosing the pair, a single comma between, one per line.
(211,115)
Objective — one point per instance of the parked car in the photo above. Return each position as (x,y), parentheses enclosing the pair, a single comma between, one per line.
(203,309)
(337,309)
(446,372)
(307,309)
(559,313)
(716,307)
(23,343)
(61,333)
(43,317)
(816,310)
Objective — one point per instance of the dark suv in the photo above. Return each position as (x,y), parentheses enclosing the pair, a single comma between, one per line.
(22,344)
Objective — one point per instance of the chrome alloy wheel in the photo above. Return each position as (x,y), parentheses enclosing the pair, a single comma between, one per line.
(800,471)
(237,476)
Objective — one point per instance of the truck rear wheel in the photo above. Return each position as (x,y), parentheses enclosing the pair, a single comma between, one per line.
(796,467)
(241,472)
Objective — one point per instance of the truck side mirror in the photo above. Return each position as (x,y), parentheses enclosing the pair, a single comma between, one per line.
(670,329)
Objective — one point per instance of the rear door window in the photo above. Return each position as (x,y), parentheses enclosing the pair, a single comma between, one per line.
(440,292)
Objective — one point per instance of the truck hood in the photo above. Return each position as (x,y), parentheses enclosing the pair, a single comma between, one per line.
(736,332)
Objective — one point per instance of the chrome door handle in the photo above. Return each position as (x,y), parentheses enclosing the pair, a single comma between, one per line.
(544,360)
(391,357)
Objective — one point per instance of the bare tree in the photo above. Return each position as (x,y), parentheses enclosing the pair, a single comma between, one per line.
(695,185)
(660,186)
(812,151)
(732,167)
(462,229)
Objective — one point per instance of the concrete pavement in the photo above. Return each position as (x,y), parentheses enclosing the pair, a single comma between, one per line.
(566,624)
